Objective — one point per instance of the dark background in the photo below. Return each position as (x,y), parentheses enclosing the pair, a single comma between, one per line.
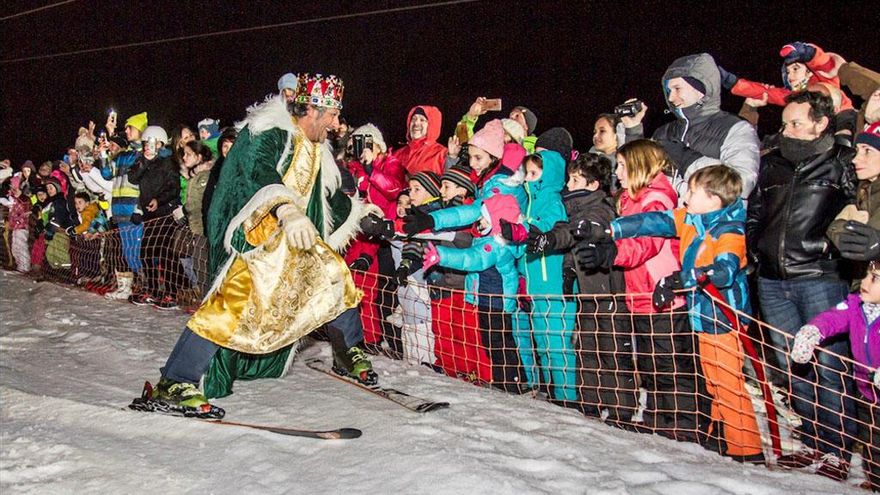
(567,61)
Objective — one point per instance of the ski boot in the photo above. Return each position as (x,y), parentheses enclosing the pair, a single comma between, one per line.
(177,398)
(354,364)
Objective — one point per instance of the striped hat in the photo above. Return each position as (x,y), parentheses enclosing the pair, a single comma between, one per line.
(430,181)
(461,177)
(870,136)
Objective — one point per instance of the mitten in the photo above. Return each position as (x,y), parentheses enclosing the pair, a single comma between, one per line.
(375,226)
(417,222)
(590,231)
(362,263)
(431,256)
(591,256)
(805,342)
(664,292)
(513,232)
(400,275)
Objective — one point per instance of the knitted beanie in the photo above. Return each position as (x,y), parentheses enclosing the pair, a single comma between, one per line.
(514,130)
(870,136)
(490,138)
(556,139)
(373,131)
(430,181)
(461,177)
(138,121)
(530,118)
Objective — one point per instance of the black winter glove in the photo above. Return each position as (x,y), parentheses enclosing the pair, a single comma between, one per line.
(513,232)
(137,218)
(860,242)
(400,275)
(362,263)
(569,277)
(591,256)
(538,241)
(417,222)
(664,291)
(375,226)
(590,231)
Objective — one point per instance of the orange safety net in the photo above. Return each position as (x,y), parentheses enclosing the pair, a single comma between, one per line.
(735,392)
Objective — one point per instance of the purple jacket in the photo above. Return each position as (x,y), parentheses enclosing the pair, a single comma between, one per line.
(865,342)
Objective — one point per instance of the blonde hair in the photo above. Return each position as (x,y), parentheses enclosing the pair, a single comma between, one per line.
(643,160)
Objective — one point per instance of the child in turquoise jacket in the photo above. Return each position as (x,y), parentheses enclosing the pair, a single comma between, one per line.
(545,328)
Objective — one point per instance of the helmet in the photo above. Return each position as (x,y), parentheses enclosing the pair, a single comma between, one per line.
(155,132)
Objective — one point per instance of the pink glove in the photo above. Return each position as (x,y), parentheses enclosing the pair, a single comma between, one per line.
(432,257)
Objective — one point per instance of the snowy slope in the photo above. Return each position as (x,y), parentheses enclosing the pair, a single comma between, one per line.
(70,360)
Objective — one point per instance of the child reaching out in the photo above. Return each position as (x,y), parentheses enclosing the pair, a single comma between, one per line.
(491,285)
(858,316)
(711,229)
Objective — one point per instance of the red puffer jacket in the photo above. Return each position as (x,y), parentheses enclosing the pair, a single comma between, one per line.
(646,260)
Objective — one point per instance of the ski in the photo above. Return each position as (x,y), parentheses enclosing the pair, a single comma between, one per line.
(337,434)
(212,414)
(411,402)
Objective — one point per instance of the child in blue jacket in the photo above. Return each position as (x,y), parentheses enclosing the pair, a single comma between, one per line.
(544,328)
(490,284)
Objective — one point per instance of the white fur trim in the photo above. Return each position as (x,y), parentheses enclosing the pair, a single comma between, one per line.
(351,227)
(331,180)
(517,179)
(269,114)
(293,350)
(261,197)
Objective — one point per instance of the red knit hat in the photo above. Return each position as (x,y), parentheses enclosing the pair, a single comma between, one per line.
(870,136)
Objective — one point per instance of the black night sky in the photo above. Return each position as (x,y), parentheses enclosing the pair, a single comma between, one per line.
(567,61)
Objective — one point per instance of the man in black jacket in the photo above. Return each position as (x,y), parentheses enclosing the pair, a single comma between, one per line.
(801,187)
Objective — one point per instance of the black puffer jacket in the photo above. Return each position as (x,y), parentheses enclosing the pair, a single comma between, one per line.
(157,179)
(790,210)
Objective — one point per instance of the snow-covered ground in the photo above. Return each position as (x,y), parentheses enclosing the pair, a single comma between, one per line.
(70,361)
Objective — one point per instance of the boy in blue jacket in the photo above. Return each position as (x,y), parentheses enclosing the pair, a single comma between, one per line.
(711,229)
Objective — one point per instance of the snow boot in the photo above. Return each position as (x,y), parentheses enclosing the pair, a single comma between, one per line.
(124,281)
(354,364)
(181,394)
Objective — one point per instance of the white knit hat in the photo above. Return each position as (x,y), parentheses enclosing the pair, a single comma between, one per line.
(512,128)
(371,130)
